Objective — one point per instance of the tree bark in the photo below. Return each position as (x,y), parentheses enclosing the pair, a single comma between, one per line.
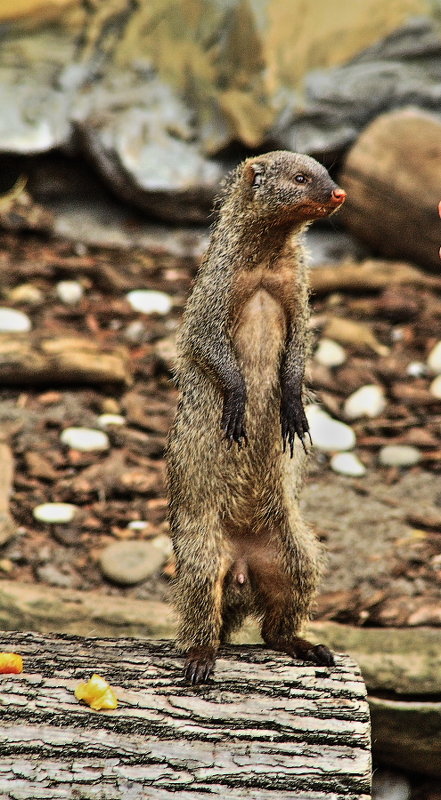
(60,360)
(393,179)
(266,728)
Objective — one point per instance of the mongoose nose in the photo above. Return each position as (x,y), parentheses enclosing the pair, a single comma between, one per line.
(338,196)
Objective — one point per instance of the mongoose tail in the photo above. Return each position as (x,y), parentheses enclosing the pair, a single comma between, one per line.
(241,545)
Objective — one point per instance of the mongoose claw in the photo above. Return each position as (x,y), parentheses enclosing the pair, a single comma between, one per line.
(233,415)
(317,653)
(199,665)
(293,421)
(320,654)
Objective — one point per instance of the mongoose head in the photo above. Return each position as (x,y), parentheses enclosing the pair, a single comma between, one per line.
(290,187)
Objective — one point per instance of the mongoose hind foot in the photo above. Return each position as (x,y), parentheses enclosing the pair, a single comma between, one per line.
(199,665)
(317,653)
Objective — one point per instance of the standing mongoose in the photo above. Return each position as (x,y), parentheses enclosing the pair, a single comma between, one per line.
(234,467)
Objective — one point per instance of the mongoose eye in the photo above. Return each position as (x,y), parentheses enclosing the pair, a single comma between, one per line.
(258,178)
(300,178)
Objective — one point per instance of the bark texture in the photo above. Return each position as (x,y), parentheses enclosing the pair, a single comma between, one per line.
(266,728)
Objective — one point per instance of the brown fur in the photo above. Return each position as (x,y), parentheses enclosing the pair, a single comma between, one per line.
(240,543)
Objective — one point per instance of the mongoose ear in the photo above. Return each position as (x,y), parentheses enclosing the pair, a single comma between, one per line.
(254,173)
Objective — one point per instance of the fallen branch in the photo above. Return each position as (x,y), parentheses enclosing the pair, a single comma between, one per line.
(61,360)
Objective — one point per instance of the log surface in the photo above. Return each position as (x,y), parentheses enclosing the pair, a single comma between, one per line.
(265,728)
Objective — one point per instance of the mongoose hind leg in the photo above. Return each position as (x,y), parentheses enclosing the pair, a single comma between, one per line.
(285,597)
(198,591)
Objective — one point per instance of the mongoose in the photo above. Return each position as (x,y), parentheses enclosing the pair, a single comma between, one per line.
(234,465)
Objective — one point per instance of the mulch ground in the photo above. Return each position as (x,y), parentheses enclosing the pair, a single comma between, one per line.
(382,531)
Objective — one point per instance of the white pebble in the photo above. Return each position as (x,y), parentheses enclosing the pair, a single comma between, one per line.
(107,420)
(399,455)
(435,387)
(434,359)
(416,369)
(330,353)
(328,434)
(135,331)
(348,464)
(85,439)
(149,302)
(69,292)
(367,401)
(138,525)
(12,321)
(54,513)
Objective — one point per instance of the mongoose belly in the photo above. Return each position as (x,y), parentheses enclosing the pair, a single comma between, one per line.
(259,338)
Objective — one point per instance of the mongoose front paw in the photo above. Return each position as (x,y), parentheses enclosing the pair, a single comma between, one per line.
(199,665)
(293,421)
(233,416)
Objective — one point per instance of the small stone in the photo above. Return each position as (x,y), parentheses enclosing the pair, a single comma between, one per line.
(12,321)
(69,292)
(435,387)
(434,359)
(55,513)
(328,434)
(330,353)
(416,369)
(135,331)
(138,525)
(51,574)
(26,293)
(367,401)
(85,439)
(149,301)
(107,420)
(348,464)
(130,562)
(110,406)
(399,455)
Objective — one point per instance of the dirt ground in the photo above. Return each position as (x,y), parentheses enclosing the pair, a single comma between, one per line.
(382,531)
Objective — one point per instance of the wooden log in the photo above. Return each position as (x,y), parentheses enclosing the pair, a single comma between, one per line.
(60,360)
(371,276)
(392,176)
(266,728)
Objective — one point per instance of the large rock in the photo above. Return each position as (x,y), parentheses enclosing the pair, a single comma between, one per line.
(392,176)
(153,93)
